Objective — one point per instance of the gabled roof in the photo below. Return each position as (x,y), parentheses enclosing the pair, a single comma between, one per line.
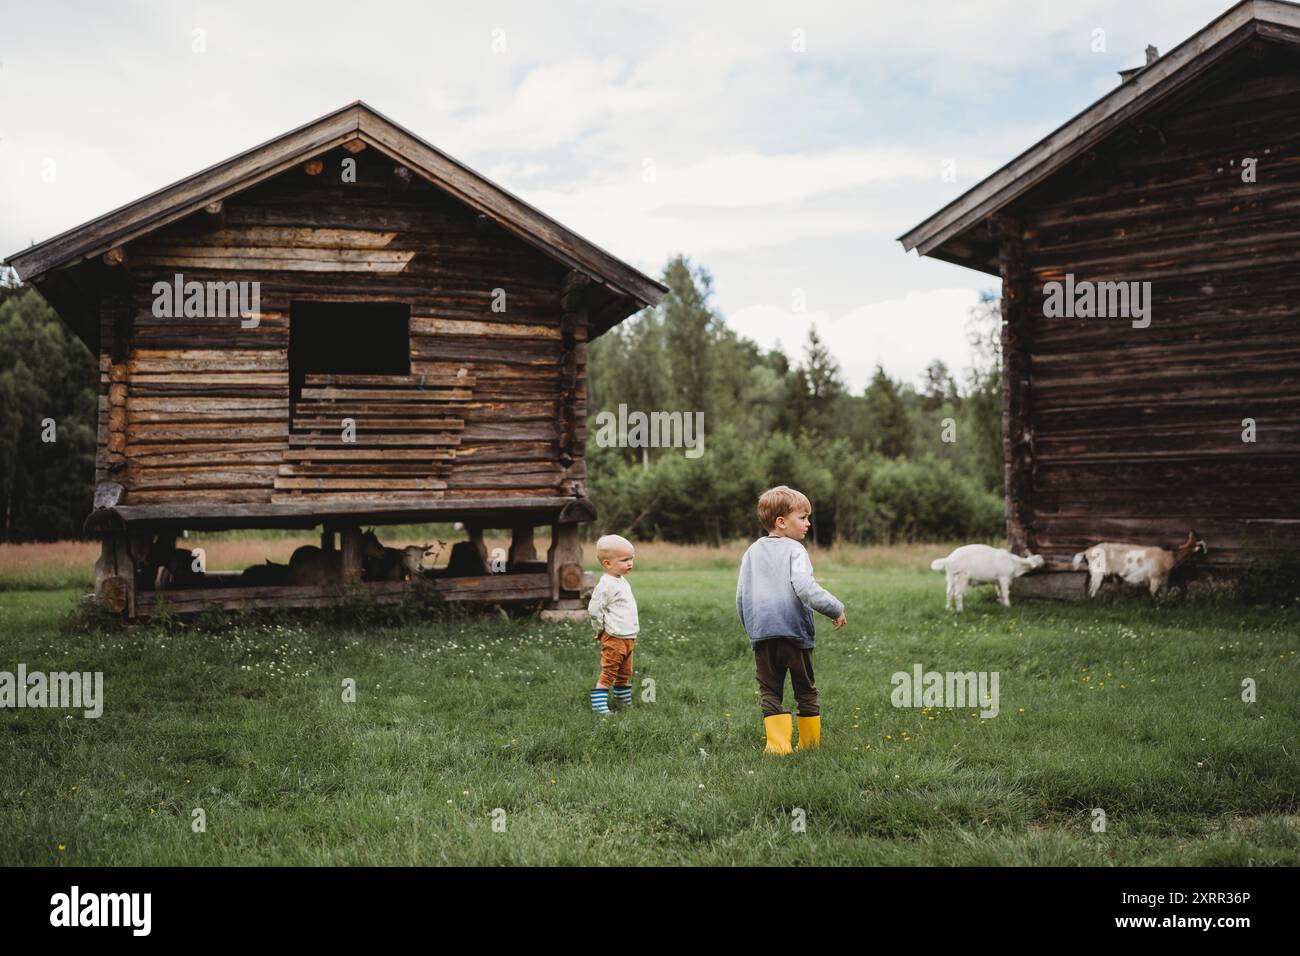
(948,233)
(630,288)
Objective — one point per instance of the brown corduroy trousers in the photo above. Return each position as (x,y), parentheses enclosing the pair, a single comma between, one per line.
(615,660)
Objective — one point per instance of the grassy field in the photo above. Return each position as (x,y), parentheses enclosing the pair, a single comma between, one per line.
(1132,708)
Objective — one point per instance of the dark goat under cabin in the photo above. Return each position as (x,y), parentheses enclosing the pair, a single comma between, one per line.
(343,326)
(1187,177)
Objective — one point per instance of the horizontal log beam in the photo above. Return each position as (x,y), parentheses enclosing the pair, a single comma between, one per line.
(538,510)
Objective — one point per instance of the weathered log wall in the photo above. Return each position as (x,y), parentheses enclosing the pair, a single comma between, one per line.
(1137,432)
(197,410)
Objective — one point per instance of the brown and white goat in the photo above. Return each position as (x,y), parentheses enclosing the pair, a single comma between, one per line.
(397,564)
(1136,564)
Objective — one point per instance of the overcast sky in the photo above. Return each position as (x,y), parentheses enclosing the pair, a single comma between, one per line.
(778,169)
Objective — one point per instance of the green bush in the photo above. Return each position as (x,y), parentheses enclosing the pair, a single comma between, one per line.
(929,500)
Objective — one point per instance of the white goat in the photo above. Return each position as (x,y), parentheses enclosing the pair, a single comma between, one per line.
(979,564)
(1136,564)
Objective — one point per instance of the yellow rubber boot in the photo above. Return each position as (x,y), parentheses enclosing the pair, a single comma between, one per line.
(779,727)
(810,732)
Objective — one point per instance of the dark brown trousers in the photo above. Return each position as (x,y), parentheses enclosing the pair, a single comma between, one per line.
(773,659)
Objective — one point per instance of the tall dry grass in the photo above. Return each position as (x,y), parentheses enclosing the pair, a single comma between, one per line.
(55,564)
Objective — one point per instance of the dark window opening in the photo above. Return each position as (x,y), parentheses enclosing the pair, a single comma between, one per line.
(348,338)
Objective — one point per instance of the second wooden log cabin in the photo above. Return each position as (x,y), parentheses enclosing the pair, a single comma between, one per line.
(1185,177)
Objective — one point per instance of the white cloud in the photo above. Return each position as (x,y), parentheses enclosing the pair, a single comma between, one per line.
(746,200)
(903,335)
(555,105)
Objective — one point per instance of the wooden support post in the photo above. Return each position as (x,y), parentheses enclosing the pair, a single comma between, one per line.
(1017,431)
(120,556)
(327,539)
(350,565)
(564,567)
(521,545)
(475,532)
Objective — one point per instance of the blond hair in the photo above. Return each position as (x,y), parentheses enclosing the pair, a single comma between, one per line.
(779,502)
(607,544)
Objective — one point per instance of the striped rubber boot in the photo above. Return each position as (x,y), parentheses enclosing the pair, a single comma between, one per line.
(600,701)
(623,695)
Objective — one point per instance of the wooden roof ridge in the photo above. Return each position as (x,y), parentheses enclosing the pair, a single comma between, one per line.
(357,120)
(1277,20)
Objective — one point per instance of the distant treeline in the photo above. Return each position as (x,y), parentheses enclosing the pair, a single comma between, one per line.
(875,464)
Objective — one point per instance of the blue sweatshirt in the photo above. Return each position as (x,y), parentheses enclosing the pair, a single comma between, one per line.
(776,593)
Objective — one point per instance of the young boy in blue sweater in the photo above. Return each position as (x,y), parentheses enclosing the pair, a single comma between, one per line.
(775,597)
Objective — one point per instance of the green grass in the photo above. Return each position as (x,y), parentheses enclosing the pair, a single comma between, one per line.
(1129,707)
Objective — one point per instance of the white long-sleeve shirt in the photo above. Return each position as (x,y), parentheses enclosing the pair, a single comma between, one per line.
(612,608)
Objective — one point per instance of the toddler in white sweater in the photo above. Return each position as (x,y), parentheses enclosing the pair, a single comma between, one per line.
(612,610)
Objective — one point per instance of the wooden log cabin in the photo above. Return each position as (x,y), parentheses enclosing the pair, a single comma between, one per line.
(1186,176)
(416,352)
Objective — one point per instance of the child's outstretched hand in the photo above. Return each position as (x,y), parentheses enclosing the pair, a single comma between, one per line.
(839,622)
